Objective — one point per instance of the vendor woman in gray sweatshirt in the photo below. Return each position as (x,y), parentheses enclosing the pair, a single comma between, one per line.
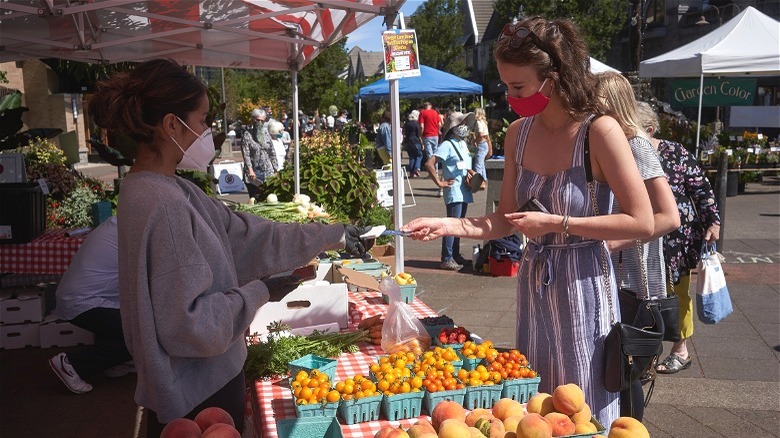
(190,268)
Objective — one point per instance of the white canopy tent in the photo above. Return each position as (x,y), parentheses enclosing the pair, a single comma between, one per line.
(254,34)
(746,45)
(597,66)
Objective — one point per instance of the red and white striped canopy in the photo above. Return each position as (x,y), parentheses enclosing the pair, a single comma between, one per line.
(256,34)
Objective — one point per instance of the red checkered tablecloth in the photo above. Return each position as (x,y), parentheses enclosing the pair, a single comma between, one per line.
(49,253)
(274,401)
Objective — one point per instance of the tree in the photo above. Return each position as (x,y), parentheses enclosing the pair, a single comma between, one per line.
(439,27)
(599,20)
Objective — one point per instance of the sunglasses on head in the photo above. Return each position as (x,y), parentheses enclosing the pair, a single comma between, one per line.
(517,36)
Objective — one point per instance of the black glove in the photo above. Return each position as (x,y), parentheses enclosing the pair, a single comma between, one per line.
(354,244)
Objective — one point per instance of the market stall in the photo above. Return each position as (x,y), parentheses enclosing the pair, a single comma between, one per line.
(49,253)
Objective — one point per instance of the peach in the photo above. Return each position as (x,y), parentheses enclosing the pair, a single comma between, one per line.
(561,424)
(580,428)
(534,426)
(510,424)
(506,407)
(447,410)
(420,428)
(382,433)
(453,428)
(213,415)
(398,433)
(475,415)
(221,430)
(541,403)
(475,433)
(582,416)
(491,427)
(568,399)
(627,427)
(510,435)
(181,428)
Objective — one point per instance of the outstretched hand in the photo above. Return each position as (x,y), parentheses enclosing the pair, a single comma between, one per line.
(426,228)
(354,244)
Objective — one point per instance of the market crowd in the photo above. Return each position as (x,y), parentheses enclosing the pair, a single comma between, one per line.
(606,207)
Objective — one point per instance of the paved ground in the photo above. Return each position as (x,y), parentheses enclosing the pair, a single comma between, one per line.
(732,389)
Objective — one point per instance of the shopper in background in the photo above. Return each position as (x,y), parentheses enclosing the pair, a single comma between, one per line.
(563,314)
(455,159)
(276,131)
(699,223)
(88,297)
(483,143)
(616,93)
(257,149)
(413,143)
(430,124)
(190,269)
(384,138)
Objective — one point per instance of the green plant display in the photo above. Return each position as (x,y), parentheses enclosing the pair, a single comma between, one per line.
(378,215)
(74,210)
(331,174)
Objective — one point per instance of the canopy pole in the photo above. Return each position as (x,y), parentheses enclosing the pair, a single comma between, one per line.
(482,101)
(698,121)
(360,110)
(297,131)
(460,103)
(398,181)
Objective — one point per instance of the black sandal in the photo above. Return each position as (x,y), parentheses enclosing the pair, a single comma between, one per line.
(673,364)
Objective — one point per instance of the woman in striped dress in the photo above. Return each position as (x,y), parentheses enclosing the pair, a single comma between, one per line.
(563,314)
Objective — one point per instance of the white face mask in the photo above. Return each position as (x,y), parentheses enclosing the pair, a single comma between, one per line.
(200,153)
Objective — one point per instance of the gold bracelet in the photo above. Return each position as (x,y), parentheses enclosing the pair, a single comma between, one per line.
(565,225)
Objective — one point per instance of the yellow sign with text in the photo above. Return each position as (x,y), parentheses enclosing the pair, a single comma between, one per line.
(402,59)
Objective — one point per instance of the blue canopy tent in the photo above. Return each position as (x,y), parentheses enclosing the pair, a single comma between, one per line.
(431,82)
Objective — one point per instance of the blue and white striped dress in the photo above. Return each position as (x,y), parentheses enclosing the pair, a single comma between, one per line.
(563,315)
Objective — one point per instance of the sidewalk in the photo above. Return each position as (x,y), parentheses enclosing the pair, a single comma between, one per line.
(732,389)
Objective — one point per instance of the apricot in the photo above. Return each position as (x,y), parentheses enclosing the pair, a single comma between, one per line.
(447,410)
(453,428)
(221,430)
(475,415)
(534,426)
(568,399)
(506,407)
(181,428)
(561,424)
(541,403)
(213,415)
(627,427)
(583,416)
(580,428)
(510,424)
(398,433)
(420,428)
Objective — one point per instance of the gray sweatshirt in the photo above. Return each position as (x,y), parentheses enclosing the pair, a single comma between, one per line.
(189,288)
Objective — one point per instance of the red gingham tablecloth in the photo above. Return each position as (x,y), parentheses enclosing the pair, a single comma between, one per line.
(49,253)
(274,401)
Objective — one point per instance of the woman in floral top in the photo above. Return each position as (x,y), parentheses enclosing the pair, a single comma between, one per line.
(699,222)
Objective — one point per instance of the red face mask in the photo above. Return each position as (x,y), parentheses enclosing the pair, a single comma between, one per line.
(531,105)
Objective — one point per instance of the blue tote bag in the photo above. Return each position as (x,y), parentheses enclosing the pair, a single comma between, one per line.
(713,302)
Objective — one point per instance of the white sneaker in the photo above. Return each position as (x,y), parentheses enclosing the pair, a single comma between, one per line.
(64,370)
(120,370)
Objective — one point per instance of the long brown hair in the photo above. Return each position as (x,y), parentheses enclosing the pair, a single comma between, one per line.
(568,57)
(135,103)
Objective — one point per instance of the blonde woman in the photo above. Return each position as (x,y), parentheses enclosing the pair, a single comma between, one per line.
(616,93)
(482,142)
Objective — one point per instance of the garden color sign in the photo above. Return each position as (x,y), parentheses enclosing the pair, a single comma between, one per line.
(401,57)
(717,92)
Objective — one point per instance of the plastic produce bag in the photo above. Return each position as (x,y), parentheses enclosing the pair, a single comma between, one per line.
(402,331)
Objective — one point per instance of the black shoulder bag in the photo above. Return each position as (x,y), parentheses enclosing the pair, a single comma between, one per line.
(628,350)
(630,305)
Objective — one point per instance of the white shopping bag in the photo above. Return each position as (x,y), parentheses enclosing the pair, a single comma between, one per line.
(713,302)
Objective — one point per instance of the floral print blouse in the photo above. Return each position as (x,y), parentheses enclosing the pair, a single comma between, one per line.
(696,202)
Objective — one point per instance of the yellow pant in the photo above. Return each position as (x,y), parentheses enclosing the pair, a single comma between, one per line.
(682,290)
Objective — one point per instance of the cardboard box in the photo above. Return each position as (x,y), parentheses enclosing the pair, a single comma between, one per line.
(17,336)
(58,333)
(18,307)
